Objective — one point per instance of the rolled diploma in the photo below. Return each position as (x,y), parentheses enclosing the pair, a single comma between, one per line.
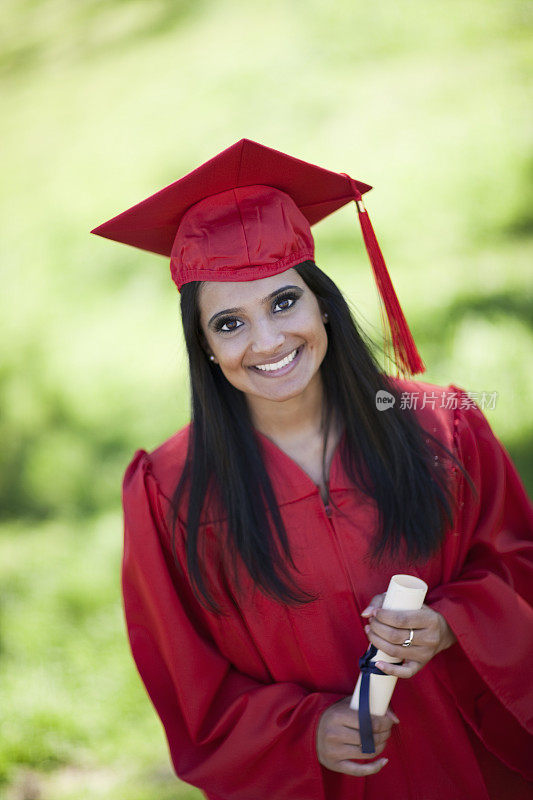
(405,593)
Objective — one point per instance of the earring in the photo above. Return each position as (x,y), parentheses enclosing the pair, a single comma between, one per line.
(211,358)
(325,317)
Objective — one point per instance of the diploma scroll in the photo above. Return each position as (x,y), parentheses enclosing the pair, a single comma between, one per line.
(405,593)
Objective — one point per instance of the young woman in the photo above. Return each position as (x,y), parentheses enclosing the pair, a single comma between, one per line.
(259,539)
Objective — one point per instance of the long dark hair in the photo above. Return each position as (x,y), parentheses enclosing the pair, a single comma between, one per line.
(388,456)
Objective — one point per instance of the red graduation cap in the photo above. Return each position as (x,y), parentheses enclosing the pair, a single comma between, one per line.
(246,214)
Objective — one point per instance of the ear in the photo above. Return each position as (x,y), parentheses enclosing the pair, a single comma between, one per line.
(203,341)
(322,309)
(209,355)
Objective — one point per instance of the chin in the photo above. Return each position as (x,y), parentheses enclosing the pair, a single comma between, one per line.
(283,393)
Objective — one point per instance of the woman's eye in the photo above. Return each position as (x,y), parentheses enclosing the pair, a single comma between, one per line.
(230,324)
(227,325)
(285,302)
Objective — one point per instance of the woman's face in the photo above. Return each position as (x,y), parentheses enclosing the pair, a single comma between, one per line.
(267,335)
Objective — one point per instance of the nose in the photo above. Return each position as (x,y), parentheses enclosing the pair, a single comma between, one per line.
(267,338)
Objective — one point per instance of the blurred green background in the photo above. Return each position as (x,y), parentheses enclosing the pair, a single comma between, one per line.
(106,101)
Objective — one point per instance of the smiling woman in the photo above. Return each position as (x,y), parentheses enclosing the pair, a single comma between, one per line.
(260,537)
(268,337)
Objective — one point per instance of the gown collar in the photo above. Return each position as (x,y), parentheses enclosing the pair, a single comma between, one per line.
(291,482)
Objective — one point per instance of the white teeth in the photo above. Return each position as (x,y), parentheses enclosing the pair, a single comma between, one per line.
(278,364)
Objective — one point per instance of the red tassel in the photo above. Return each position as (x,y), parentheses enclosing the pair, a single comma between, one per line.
(406,354)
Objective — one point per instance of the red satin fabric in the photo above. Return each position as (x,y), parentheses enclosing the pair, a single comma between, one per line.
(240,697)
(153,223)
(242,234)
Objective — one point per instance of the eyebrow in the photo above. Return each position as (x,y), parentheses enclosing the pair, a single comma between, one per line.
(263,301)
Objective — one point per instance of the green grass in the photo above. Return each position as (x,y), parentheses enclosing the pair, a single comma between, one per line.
(105,102)
(74,712)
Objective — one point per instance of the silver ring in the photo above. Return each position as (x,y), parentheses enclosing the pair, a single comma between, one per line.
(408,641)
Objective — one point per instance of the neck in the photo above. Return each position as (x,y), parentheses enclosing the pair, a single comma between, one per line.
(294,418)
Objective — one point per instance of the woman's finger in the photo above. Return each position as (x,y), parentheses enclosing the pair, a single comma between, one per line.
(375,603)
(405,670)
(352,768)
(351,751)
(406,619)
(390,713)
(396,635)
(395,651)
(353,739)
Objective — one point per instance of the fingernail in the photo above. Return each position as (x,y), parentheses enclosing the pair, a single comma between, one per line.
(385,761)
(367,628)
(366,611)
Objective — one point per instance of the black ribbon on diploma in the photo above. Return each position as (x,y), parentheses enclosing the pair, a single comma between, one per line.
(368,668)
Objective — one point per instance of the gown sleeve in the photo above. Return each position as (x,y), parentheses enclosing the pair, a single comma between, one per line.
(228,734)
(487,600)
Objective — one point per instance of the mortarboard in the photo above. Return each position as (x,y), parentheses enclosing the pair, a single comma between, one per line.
(247,214)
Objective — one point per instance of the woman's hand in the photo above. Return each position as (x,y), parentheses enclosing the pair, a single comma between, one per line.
(338,739)
(387,630)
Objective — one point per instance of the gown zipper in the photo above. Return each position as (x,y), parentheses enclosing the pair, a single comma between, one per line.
(327,506)
(328,509)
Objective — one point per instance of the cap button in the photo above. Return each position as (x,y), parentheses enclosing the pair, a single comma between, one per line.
(356,193)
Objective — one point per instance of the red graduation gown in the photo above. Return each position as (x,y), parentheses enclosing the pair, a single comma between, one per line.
(240,697)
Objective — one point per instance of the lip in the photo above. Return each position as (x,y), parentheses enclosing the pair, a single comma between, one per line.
(283,371)
(275,359)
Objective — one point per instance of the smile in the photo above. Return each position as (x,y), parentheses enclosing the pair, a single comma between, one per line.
(279,367)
